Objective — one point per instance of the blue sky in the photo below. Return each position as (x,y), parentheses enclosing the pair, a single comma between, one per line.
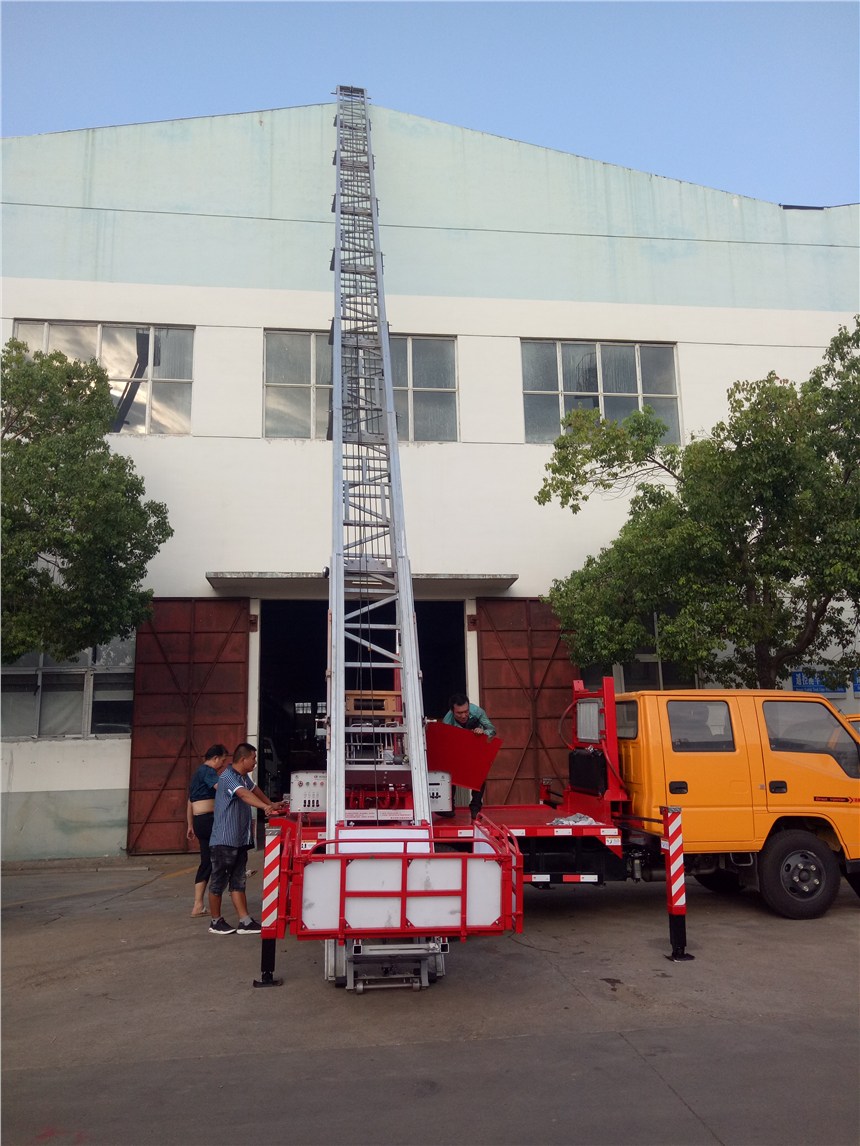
(759,99)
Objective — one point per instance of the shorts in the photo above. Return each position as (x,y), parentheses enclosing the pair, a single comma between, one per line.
(228,867)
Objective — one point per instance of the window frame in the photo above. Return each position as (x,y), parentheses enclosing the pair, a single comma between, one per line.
(566,397)
(312,385)
(402,393)
(88,670)
(116,382)
(410,389)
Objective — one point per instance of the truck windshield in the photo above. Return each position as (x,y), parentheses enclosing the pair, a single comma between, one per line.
(801,726)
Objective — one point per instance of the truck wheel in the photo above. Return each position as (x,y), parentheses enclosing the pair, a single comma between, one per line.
(798,875)
(721,881)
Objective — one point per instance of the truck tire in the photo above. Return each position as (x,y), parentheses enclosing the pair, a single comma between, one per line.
(721,881)
(798,875)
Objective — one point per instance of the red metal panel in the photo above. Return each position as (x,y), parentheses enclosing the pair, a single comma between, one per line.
(190,691)
(525,674)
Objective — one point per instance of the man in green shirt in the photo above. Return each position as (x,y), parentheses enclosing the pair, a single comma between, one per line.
(462,714)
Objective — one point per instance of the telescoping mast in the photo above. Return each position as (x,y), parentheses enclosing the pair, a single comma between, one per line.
(369,879)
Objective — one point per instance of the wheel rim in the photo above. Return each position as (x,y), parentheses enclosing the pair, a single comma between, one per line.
(802,874)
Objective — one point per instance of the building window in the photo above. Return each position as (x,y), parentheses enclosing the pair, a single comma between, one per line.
(149,368)
(424,377)
(299,386)
(90,695)
(615,378)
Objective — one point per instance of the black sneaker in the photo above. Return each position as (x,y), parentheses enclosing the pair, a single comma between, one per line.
(221,927)
(252,927)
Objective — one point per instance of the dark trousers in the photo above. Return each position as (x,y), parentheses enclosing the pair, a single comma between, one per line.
(203,830)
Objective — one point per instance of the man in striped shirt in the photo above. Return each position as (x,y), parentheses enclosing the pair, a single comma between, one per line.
(232,837)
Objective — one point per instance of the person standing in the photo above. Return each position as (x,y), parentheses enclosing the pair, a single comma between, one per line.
(232,838)
(200,815)
(471,717)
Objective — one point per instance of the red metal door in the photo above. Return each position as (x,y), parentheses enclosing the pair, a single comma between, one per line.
(190,691)
(525,676)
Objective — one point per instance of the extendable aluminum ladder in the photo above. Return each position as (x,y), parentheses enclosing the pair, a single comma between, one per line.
(373,886)
(376,720)
(373,635)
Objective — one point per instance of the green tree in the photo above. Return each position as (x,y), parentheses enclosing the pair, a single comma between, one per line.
(76,533)
(744,545)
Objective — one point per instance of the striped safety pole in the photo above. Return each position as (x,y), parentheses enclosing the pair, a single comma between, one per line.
(269,914)
(676,895)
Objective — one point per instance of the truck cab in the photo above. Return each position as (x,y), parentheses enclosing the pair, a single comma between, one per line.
(768,783)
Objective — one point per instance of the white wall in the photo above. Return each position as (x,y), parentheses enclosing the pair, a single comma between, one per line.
(239,502)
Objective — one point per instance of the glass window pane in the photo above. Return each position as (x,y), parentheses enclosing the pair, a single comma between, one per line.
(401,410)
(288,358)
(543,421)
(627,715)
(33,333)
(62,704)
(28,660)
(674,676)
(18,704)
(80,660)
(540,368)
(171,353)
(579,367)
(125,351)
(658,369)
(617,409)
(435,418)
(171,408)
(288,412)
(581,402)
(118,654)
(796,726)
(323,363)
(113,696)
(398,362)
(73,341)
(618,367)
(129,398)
(666,410)
(322,416)
(640,675)
(433,365)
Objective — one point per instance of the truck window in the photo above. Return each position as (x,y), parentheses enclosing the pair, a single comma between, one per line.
(796,726)
(627,718)
(699,726)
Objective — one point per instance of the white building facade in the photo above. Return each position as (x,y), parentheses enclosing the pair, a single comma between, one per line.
(192,258)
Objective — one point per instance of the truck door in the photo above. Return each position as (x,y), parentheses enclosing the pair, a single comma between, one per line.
(812,763)
(707,773)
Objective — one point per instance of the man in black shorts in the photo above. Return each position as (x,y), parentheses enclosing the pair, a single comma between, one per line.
(232,837)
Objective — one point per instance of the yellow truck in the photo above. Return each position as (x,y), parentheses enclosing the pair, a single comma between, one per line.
(768,783)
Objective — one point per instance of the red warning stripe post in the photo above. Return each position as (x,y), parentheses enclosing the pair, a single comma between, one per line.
(676,894)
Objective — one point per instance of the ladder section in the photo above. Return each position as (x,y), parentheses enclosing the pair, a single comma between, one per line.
(377,766)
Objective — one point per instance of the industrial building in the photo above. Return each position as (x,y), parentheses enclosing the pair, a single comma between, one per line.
(192,259)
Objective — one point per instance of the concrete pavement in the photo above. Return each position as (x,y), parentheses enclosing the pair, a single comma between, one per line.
(127,1024)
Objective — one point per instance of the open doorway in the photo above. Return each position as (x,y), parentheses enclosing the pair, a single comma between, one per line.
(293,659)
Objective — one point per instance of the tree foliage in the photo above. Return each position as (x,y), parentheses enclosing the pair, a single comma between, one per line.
(77,535)
(745,544)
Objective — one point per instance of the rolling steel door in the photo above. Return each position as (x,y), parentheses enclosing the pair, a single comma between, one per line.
(525,676)
(190,691)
